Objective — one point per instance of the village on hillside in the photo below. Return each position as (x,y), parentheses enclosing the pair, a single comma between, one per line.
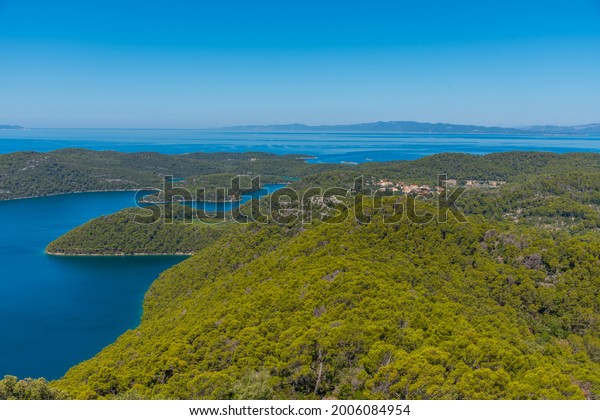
(396,187)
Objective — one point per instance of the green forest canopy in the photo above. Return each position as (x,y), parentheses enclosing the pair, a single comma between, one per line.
(479,310)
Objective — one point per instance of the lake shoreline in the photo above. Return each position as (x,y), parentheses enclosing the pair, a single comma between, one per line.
(68,193)
(136,254)
(132,190)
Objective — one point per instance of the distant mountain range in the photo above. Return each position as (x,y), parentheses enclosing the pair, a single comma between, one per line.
(409,127)
(418,127)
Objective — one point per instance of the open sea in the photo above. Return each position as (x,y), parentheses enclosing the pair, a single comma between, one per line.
(58,311)
(326,147)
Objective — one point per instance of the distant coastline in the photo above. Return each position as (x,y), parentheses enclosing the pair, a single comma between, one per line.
(11,127)
(414,127)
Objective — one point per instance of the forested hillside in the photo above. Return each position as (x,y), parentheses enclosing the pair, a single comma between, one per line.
(485,309)
(119,234)
(32,174)
(564,201)
(509,166)
(567,201)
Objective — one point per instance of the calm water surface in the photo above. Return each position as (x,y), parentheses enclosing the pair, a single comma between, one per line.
(58,311)
(326,147)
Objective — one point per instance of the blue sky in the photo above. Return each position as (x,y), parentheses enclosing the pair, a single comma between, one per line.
(212,63)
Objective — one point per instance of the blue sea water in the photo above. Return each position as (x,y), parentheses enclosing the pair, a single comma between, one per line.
(326,147)
(58,311)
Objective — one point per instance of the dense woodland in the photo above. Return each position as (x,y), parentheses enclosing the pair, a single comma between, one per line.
(546,195)
(119,234)
(33,174)
(508,166)
(502,305)
(11,388)
(565,201)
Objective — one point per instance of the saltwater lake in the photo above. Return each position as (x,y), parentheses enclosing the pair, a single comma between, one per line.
(58,311)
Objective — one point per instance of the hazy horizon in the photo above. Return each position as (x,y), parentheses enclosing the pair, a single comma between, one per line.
(208,128)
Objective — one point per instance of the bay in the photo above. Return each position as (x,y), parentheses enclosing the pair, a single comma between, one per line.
(57,311)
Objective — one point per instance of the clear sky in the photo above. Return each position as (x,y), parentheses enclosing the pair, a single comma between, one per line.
(196,63)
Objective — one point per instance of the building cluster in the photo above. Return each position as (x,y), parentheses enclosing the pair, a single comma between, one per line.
(483,184)
(397,187)
(401,187)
